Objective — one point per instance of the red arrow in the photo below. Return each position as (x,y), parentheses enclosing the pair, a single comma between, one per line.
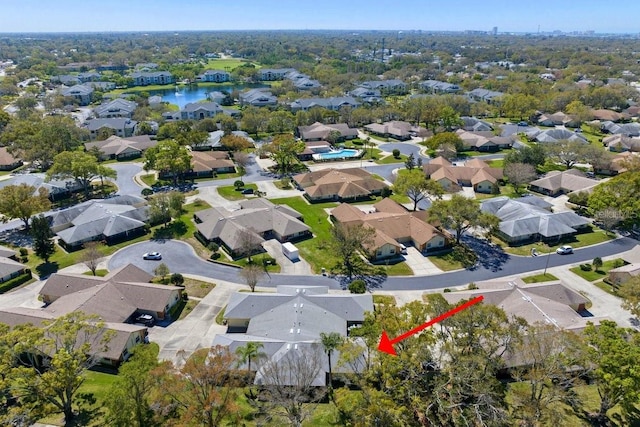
(386,345)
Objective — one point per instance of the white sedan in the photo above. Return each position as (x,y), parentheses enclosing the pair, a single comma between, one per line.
(155,256)
(564,250)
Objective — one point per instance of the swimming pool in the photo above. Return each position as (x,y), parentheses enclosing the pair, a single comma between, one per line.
(343,154)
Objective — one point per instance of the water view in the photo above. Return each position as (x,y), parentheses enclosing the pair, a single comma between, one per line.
(182,95)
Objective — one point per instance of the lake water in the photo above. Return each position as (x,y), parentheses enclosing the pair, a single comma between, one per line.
(182,95)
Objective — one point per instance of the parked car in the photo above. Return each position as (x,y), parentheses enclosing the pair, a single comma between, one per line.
(247,191)
(523,124)
(155,256)
(403,249)
(564,250)
(145,319)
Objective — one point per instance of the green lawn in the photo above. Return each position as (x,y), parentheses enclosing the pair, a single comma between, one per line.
(227,64)
(390,160)
(577,241)
(496,163)
(384,299)
(538,278)
(445,262)
(149,179)
(229,192)
(602,272)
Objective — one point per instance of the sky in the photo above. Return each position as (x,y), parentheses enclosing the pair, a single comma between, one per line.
(426,15)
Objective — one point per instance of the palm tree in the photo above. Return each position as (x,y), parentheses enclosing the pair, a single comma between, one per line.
(330,342)
(250,350)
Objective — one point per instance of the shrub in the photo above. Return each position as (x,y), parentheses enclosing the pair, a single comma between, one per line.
(446,290)
(213,247)
(146,192)
(396,153)
(585,267)
(472,286)
(358,286)
(267,260)
(386,192)
(238,184)
(24,259)
(177,279)
(618,263)
(215,255)
(24,251)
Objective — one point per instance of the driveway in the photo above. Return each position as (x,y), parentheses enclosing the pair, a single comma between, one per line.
(180,258)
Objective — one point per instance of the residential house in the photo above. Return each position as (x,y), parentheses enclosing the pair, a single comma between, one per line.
(116,299)
(399,130)
(474,173)
(394,226)
(258,98)
(200,110)
(369,96)
(556,183)
(123,336)
(627,129)
(388,87)
(530,219)
(621,143)
(155,100)
(554,135)
(320,131)
(213,142)
(210,163)
(306,84)
(217,76)
(118,126)
(117,108)
(605,115)
(539,303)
(272,74)
(436,86)
(101,86)
(217,96)
(258,217)
(616,165)
(289,324)
(146,78)
(6,252)
(116,148)
(472,124)
(558,119)
(485,95)
(82,94)
(349,184)
(110,220)
(57,189)
(7,161)
(146,66)
(89,76)
(485,141)
(333,103)
(66,79)
(620,275)
(10,269)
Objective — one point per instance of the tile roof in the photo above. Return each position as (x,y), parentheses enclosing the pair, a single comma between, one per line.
(346,183)
(6,158)
(566,181)
(115,145)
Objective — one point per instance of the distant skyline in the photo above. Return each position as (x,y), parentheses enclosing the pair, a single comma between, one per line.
(210,15)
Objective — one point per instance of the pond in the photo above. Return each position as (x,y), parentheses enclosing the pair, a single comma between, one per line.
(183,95)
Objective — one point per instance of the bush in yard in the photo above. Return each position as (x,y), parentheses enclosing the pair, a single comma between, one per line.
(618,263)
(386,192)
(585,267)
(215,255)
(358,287)
(238,184)
(176,279)
(146,192)
(213,247)
(396,153)
(23,252)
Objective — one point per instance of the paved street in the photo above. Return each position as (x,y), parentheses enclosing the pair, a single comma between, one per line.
(181,258)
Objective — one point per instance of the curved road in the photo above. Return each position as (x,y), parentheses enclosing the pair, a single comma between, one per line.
(181,258)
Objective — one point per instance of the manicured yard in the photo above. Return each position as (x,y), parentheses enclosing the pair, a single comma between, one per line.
(316,251)
(389,159)
(578,241)
(538,278)
(149,179)
(229,192)
(496,163)
(445,262)
(602,272)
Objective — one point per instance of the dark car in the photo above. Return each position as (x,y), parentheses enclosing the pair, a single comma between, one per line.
(523,124)
(145,319)
(247,191)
